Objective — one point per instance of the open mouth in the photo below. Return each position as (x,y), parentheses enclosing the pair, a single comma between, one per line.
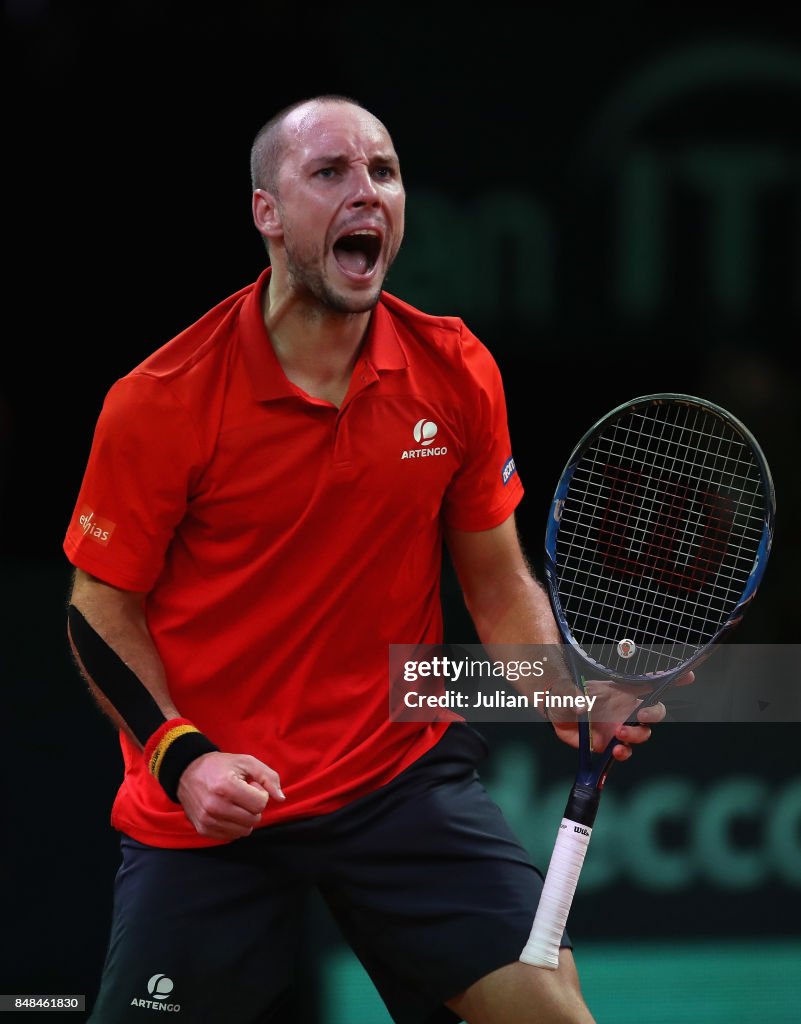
(357,252)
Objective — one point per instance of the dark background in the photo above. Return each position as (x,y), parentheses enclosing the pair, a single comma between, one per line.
(612,202)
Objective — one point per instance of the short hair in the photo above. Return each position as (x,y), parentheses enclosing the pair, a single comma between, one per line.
(268,146)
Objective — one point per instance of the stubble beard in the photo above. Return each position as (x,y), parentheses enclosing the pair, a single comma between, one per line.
(311,281)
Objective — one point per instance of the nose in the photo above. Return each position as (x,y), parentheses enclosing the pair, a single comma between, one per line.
(364,191)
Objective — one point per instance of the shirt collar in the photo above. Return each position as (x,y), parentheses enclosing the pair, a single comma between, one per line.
(382,349)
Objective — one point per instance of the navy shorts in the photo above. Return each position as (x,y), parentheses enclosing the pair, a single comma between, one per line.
(427,882)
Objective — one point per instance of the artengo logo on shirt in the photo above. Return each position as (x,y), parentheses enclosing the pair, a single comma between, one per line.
(424,432)
(100,530)
(508,471)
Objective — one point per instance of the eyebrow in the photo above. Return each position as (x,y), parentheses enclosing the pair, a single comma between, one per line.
(341,158)
(333,158)
(385,158)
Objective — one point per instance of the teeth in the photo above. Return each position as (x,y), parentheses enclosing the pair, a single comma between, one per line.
(367,231)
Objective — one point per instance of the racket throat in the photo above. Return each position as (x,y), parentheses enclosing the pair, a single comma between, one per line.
(582,804)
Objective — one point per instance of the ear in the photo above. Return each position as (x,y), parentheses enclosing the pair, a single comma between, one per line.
(266,215)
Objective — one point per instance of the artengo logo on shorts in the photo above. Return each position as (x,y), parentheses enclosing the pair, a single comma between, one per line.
(424,432)
(100,530)
(159,989)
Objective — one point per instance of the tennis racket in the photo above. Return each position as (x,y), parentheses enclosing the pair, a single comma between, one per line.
(657,540)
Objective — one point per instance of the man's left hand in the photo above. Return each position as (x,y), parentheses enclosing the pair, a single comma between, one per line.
(615,704)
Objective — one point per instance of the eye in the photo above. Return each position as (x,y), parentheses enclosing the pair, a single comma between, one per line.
(384,172)
(325,172)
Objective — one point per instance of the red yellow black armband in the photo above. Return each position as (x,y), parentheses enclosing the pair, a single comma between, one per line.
(171,749)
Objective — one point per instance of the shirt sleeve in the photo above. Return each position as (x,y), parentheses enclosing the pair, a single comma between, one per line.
(487,488)
(145,456)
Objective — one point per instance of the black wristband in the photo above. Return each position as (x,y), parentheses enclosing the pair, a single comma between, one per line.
(177,758)
(170,751)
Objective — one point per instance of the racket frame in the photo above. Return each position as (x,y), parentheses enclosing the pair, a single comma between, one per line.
(542,948)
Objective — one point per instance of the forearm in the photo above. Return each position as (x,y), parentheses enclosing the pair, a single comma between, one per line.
(118,618)
(510,618)
(510,609)
(513,610)
(223,794)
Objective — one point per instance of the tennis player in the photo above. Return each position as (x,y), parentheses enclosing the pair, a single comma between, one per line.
(262,513)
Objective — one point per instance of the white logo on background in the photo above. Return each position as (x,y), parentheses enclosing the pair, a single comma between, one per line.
(425,431)
(160,986)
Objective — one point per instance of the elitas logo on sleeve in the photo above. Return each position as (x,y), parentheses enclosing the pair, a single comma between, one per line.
(100,530)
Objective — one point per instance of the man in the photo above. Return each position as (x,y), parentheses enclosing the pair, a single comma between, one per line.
(262,514)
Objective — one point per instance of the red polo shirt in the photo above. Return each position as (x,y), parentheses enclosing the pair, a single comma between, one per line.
(284,543)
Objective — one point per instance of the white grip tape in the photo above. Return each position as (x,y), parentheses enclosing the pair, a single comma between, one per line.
(542,948)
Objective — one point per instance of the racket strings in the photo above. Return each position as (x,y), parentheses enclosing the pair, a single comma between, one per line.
(658,533)
(657,537)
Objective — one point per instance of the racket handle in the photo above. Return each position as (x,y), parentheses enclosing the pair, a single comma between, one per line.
(570,848)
